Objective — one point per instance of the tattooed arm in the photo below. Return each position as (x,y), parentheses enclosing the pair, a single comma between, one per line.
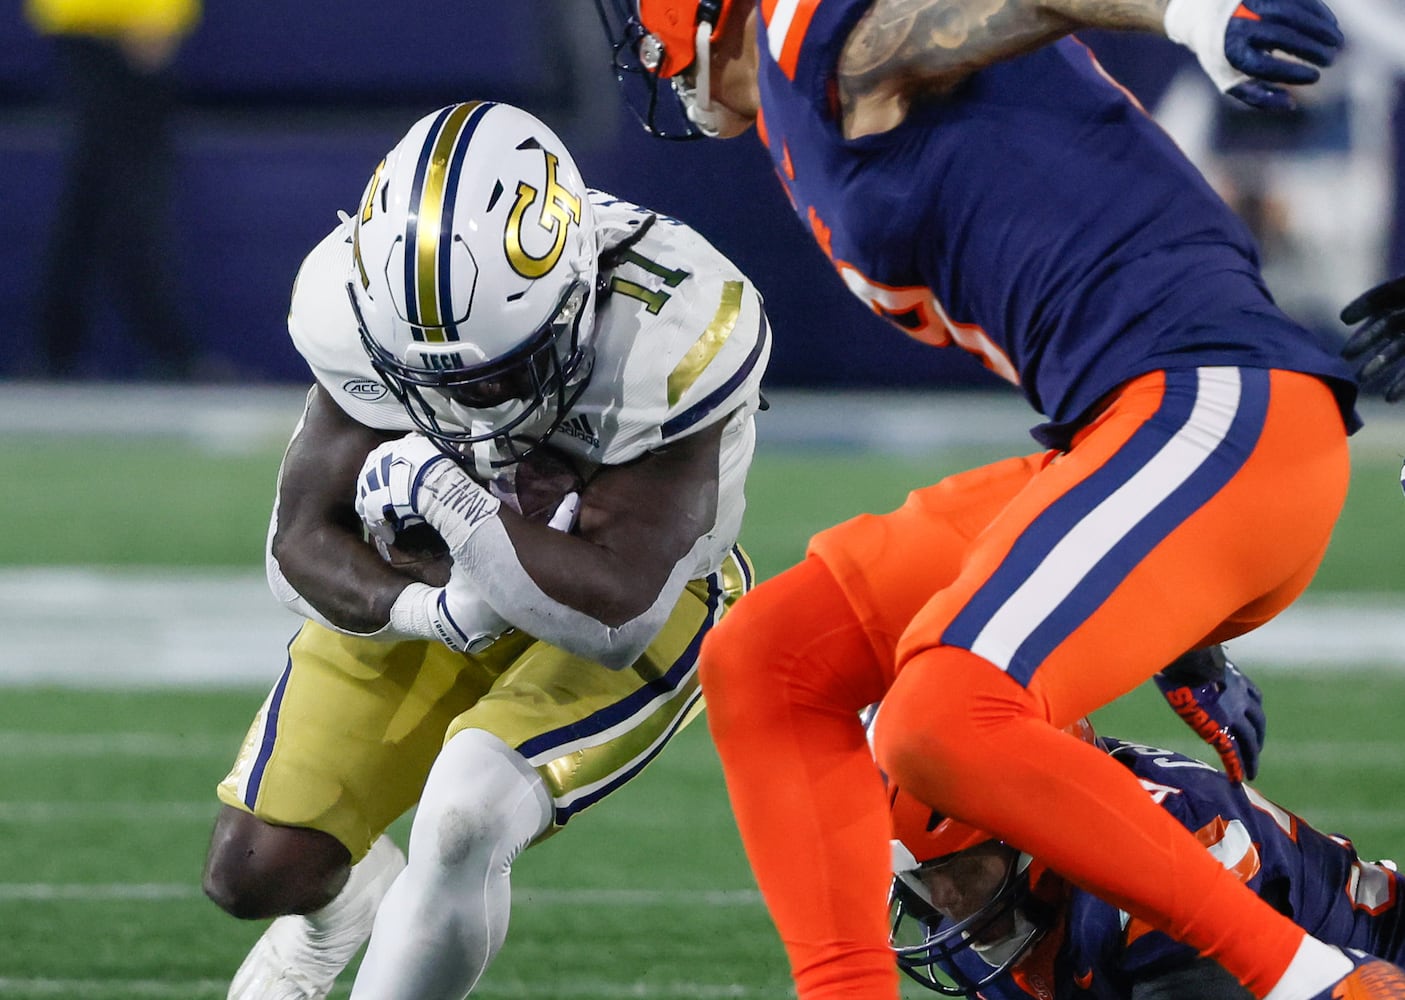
(903,48)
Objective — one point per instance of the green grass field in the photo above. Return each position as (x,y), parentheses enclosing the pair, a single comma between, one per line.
(106,795)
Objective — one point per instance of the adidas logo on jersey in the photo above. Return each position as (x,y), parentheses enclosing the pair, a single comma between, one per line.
(579,428)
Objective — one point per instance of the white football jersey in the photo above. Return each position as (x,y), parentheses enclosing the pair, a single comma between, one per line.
(681,342)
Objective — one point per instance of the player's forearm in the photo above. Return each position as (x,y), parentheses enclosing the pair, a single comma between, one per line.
(583,575)
(637,523)
(589,603)
(1114,15)
(318,561)
(340,576)
(937,42)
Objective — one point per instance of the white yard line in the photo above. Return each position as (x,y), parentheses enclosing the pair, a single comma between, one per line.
(167,628)
(118,892)
(88,627)
(126,811)
(19,744)
(77,626)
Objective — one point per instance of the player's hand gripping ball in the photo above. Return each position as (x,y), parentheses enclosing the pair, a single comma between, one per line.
(535,487)
(419,551)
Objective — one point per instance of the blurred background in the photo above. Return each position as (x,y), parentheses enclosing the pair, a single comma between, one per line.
(148,386)
(278,112)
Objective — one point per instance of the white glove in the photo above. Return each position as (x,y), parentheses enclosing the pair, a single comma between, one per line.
(1255,49)
(1200,25)
(410,481)
(454,615)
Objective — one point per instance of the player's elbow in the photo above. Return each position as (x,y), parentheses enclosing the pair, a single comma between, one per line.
(621,657)
(618,647)
(282,562)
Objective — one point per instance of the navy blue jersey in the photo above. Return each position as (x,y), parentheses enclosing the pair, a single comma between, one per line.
(1036,217)
(1316,879)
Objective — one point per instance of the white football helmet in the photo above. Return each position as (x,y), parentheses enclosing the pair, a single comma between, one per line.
(473,273)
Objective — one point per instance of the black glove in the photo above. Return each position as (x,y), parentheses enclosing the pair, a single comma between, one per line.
(1377,349)
(1221,704)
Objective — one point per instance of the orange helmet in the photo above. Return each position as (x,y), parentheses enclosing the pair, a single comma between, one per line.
(674,24)
(938,951)
(926,834)
(653,41)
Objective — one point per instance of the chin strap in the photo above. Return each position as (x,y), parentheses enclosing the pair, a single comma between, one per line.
(697,99)
(702,46)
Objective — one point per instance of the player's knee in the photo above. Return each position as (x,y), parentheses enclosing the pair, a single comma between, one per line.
(928,760)
(946,717)
(463,834)
(917,728)
(481,805)
(902,748)
(255,870)
(792,647)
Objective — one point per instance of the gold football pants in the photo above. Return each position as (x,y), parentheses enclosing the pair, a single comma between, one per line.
(345,740)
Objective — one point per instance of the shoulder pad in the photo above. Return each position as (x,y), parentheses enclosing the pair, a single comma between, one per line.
(681,343)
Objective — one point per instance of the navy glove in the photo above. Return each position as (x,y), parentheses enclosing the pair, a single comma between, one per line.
(1221,704)
(1377,349)
(1250,47)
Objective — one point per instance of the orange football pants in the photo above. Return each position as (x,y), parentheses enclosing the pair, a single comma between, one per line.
(990,611)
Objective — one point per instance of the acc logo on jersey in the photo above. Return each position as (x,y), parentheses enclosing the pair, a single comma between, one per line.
(560,208)
(363,388)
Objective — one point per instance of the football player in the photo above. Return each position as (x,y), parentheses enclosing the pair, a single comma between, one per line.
(972,916)
(974,176)
(482,298)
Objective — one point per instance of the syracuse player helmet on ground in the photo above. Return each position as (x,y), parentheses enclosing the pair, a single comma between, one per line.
(659,40)
(475,228)
(956,889)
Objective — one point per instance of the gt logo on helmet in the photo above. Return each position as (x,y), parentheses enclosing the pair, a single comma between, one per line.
(560,209)
(471,289)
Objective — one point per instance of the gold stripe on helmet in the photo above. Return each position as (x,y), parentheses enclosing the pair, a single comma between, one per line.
(430,224)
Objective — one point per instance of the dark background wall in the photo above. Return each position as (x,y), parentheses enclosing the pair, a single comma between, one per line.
(287,107)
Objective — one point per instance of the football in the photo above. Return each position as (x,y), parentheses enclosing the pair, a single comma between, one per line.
(534,487)
(422,553)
